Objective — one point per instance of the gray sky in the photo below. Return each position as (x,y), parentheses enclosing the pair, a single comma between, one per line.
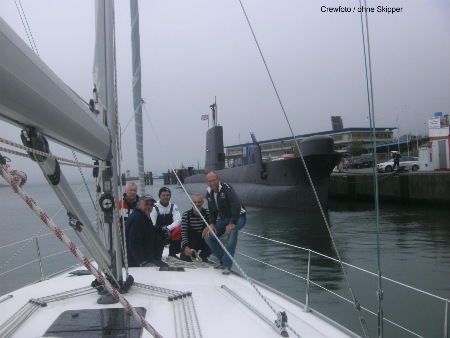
(193,51)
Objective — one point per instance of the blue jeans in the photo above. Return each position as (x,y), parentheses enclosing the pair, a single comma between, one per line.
(231,240)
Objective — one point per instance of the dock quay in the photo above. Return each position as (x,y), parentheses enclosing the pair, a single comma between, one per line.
(148,178)
(431,188)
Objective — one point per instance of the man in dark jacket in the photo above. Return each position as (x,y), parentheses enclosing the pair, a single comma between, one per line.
(224,202)
(141,235)
(396,156)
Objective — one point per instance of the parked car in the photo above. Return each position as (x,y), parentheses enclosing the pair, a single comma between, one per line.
(406,163)
(358,162)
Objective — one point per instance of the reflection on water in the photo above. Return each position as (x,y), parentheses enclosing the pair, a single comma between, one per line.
(301,229)
(414,249)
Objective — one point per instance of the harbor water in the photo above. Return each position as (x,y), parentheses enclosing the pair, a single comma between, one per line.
(414,249)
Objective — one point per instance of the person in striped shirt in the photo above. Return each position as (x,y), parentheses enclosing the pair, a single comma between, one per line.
(192,226)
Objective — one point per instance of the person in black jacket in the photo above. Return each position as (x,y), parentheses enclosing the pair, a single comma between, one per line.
(142,246)
(224,202)
(396,156)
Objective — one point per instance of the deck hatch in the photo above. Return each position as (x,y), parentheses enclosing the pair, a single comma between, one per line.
(96,323)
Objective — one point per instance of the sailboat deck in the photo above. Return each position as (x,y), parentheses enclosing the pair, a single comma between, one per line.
(218,313)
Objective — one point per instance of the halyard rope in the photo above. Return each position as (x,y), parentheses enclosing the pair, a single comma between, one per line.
(15,180)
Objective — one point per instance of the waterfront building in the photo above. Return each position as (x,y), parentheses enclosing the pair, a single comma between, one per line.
(344,138)
(434,156)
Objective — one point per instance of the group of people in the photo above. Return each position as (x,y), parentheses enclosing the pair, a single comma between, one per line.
(150,225)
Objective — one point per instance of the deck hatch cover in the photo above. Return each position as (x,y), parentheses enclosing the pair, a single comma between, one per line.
(96,323)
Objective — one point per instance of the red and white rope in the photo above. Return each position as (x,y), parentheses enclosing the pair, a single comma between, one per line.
(16,180)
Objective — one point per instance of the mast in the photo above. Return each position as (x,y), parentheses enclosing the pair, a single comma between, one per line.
(136,84)
(105,79)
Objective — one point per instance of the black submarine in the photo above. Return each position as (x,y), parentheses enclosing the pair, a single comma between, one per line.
(281,183)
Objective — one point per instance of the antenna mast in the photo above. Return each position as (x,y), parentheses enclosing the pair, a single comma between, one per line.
(214,112)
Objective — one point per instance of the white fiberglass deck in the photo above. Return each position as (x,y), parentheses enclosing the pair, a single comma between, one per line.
(219,314)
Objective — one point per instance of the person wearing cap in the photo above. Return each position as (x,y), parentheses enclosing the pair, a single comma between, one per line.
(142,236)
(224,202)
(166,216)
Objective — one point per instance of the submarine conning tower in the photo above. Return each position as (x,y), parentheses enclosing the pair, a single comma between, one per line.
(215,155)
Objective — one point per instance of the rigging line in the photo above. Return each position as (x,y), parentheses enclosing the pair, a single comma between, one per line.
(356,304)
(31,238)
(13,152)
(129,121)
(136,111)
(218,240)
(165,152)
(278,97)
(62,161)
(289,125)
(83,177)
(266,66)
(26,26)
(373,142)
(38,152)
